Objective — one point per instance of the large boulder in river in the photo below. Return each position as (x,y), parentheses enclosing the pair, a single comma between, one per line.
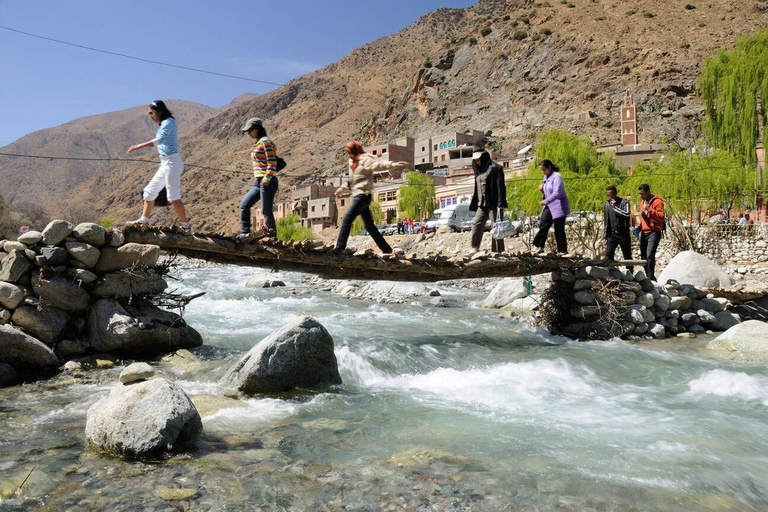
(125,284)
(391,291)
(127,256)
(298,355)
(118,329)
(690,267)
(143,419)
(747,341)
(26,353)
(506,291)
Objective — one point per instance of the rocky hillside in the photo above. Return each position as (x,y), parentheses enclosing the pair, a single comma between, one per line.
(510,68)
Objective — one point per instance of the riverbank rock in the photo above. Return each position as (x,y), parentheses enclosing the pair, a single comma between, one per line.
(127,256)
(690,267)
(136,372)
(46,323)
(298,355)
(506,291)
(146,331)
(25,353)
(144,419)
(61,293)
(11,295)
(56,231)
(15,265)
(124,284)
(747,342)
(390,291)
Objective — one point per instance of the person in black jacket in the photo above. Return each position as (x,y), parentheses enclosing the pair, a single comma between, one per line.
(488,200)
(616,225)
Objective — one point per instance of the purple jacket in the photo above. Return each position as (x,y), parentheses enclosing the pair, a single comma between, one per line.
(554,195)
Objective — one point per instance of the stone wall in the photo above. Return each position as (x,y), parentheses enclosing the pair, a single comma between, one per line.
(70,291)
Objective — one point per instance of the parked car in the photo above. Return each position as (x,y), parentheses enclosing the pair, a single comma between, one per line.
(388,229)
(454,217)
(579,217)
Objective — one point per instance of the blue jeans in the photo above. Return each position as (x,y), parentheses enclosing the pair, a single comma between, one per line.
(258,192)
(361,206)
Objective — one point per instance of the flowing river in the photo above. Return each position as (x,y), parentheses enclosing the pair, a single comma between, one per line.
(441,409)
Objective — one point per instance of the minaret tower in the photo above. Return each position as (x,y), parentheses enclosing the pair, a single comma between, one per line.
(628,121)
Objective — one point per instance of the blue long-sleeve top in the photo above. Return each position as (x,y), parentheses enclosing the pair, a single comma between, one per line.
(167,138)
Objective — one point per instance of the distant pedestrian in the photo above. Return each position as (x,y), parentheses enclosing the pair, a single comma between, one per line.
(410,225)
(743,221)
(488,199)
(616,222)
(400,229)
(556,209)
(360,185)
(651,226)
(168,175)
(264,187)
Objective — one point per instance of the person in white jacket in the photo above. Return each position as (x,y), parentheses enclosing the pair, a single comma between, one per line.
(360,186)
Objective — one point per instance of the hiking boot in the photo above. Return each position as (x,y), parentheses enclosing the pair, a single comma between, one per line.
(242,237)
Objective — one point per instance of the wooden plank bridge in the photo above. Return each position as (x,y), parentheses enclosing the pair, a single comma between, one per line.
(316,258)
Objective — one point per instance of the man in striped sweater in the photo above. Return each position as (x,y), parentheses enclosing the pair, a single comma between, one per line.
(616,225)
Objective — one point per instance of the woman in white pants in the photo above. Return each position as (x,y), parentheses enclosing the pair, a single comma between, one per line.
(168,175)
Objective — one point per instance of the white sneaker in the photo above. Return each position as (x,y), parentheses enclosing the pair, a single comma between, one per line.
(140,220)
(472,252)
(186,227)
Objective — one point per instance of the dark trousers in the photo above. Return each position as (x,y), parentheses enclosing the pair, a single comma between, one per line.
(361,206)
(649,242)
(545,222)
(478,226)
(267,196)
(619,240)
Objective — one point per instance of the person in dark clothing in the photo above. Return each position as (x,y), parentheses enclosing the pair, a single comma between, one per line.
(489,198)
(616,225)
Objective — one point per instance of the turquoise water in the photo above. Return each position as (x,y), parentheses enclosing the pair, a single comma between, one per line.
(441,409)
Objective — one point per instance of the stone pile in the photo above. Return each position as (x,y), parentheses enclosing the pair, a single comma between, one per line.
(641,308)
(70,291)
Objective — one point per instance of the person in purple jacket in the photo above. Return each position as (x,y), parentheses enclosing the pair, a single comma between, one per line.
(556,208)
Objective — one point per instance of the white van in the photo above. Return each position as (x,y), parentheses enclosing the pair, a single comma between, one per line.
(454,216)
(431,224)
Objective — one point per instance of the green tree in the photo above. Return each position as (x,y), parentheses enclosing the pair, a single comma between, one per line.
(290,228)
(417,196)
(734,88)
(376,213)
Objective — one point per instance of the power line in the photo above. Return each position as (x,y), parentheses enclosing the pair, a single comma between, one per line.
(141,59)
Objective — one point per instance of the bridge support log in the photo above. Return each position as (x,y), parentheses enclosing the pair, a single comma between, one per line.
(315,258)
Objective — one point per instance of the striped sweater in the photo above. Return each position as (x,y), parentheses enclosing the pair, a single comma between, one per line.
(264,159)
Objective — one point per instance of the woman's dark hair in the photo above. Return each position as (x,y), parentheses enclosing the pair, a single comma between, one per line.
(549,165)
(162,111)
(260,131)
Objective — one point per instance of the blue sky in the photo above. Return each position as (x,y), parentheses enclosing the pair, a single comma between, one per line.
(44,84)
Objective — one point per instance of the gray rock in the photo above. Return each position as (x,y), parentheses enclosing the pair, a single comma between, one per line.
(583,284)
(45,323)
(627,298)
(647,285)
(390,291)
(689,319)
(67,349)
(443,302)
(657,331)
(635,316)
(680,303)
(90,233)
(662,303)
(86,254)
(596,272)
(505,292)
(615,273)
(714,305)
(724,320)
(145,419)
(640,275)
(31,238)
(627,328)
(671,292)
(11,295)
(14,266)
(127,256)
(585,297)
(26,353)
(82,275)
(671,283)
(585,312)
(298,355)
(61,293)
(641,329)
(632,285)
(567,276)
(687,290)
(5,316)
(56,231)
(705,316)
(696,329)
(8,375)
(208,405)
(126,284)
(116,238)
(136,372)
(646,299)
(690,267)
(626,275)
(145,331)
(655,294)
(51,256)
(530,303)
(747,342)
(14,246)
(276,283)
(648,315)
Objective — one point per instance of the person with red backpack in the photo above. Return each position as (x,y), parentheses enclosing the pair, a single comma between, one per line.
(652,223)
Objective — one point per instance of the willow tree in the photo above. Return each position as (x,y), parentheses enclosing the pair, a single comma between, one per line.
(586,173)
(417,196)
(734,88)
